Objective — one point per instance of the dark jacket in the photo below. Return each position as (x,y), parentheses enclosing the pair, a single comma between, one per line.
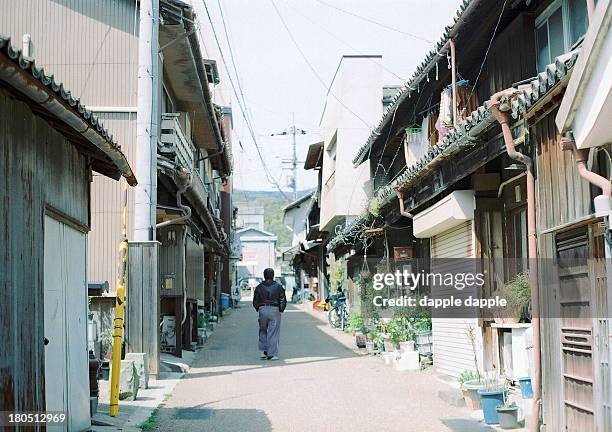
(270,293)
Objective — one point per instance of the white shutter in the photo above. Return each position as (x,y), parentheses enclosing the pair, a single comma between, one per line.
(452,348)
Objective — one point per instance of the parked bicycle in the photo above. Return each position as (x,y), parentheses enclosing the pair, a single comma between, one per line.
(338,313)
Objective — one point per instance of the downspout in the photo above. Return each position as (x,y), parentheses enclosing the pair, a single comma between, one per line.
(451,43)
(400,197)
(187,182)
(503,117)
(601,202)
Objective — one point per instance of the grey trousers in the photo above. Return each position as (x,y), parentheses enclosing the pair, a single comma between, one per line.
(269,329)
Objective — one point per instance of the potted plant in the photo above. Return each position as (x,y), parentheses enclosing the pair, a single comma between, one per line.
(491,397)
(470,395)
(517,293)
(508,415)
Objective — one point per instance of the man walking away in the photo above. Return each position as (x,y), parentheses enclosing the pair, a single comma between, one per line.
(270,301)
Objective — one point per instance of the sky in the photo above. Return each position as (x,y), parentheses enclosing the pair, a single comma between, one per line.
(276,81)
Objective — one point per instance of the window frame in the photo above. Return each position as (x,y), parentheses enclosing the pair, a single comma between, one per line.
(543,18)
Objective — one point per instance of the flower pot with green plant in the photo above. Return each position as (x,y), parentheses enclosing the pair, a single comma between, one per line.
(470,395)
(507,414)
(517,293)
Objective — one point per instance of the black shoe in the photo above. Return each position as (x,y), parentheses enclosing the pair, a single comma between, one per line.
(264,356)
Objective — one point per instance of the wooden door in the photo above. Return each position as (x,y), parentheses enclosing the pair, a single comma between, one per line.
(580,273)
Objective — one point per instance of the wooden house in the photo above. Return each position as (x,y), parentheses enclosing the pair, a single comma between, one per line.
(450,182)
(50,145)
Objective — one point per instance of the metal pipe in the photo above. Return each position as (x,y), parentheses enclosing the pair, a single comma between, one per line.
(400,197)
(507,182)
(581,157)
(503,117)
(187,182)
(454,79)
(119,320)
(590,9)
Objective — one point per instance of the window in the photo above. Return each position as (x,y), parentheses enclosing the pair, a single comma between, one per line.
(558,28)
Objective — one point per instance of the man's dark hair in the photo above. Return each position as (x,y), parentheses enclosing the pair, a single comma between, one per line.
(269,274)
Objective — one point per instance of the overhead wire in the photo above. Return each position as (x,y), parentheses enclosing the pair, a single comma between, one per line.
(340,40)
(312,68)
(370,20)
(250,127)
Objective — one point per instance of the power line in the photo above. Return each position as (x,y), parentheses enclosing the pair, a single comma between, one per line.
(341,41)
(314,71)
(232,58)
(242,109)
(370,20)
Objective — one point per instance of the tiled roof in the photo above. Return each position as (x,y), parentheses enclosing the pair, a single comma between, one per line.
(530,94)
(93,131)
(413,84)
(465,133)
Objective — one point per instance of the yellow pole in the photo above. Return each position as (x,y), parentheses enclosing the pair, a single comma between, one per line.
(119,310)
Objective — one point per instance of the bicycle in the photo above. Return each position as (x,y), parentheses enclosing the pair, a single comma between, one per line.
(338,314)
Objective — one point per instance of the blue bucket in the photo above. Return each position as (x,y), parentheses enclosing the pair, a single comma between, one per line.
(490,400)
(225,301)
(526,389)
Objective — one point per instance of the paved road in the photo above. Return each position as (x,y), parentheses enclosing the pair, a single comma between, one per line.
(319,384)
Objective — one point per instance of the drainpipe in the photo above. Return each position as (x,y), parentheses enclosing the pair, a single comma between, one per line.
(186,180)
(400,197)
(451,43)
(590,9)
(186,184)
(503,117)
(602,202)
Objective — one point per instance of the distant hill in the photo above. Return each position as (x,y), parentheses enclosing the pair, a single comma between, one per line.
(273,203)
(247,195)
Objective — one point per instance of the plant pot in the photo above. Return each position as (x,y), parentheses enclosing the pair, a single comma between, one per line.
(388,358)
(508,417)
(526,389)
(490,400)
(105,373)
(471,388)
(370,347)
(424,342)
(360,340)
(389,346)
(472,400)
(407,346)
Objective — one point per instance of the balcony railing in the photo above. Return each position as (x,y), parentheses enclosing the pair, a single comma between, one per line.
(174,144)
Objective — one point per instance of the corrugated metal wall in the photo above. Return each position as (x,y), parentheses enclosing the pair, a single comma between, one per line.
(38,166)
(89,45)
(105,235)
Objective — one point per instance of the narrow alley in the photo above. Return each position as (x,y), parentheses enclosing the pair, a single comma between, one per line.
(319,383)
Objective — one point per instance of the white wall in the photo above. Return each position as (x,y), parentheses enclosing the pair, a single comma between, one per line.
(358,84)
(295,219)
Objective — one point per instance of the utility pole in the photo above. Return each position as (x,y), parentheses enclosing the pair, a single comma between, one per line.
(293,130)
(145,200)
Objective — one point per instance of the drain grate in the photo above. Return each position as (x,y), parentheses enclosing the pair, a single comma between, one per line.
(193,413)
